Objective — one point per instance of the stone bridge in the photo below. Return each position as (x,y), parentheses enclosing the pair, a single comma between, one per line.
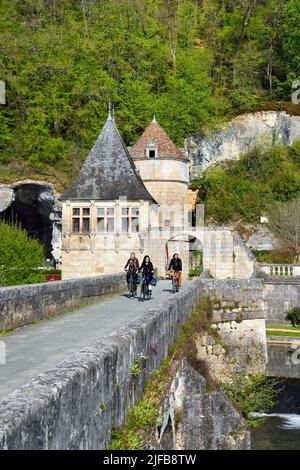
(67,379)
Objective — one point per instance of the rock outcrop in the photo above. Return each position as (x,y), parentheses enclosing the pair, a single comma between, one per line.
(6,197)
(239,136)
(193,419)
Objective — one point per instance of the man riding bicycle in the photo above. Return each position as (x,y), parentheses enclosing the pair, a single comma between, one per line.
(132,267)
(175,269)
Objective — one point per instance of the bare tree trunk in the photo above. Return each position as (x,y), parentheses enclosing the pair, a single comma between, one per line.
(53,10)
(270,77)
(84,18)
(172,33)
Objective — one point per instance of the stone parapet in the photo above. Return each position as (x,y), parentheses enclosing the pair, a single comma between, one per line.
(20,305)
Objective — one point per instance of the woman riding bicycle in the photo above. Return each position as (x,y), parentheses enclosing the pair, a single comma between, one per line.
(132,267)
(175,269)
(147,271)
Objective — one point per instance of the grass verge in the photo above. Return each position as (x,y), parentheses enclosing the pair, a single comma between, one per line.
(283,327)
(290,334)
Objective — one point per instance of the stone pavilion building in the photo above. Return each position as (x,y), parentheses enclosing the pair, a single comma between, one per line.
(136,200)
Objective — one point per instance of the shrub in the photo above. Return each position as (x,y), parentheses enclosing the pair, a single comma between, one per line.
(252,394)
(279,256)
(294,316)
(19,256)
(195,272)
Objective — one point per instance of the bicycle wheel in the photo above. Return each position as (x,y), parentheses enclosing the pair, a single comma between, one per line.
(143,294)
(130,287)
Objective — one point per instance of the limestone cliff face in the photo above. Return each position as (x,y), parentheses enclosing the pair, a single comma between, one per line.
(240,135)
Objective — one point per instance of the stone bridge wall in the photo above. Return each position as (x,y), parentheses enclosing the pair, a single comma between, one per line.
(76,404)
(281,295)
(20,305)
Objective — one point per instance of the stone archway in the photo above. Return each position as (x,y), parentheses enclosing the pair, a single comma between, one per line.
(222,254)
(189,247)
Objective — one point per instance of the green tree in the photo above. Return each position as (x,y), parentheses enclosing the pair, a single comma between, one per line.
(246,189)
(19,255)
(193,64)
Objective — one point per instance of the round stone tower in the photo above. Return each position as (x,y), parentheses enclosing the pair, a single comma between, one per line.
(162,166)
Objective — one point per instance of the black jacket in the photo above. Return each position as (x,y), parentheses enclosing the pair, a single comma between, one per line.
(130,263)
(147,268)
(175,264)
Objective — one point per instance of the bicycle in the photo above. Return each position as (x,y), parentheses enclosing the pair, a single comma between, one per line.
(132,286)
(175,284)
(145,291)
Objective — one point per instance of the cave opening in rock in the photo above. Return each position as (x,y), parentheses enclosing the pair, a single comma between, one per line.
(32,208)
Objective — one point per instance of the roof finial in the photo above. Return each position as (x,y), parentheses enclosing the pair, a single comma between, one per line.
(109,110)
(154,119)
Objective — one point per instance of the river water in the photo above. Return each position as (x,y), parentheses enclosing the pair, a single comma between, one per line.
(281,429)
(278,432)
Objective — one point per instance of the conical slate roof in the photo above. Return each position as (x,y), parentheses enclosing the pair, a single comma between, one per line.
(154,133)
(108,172)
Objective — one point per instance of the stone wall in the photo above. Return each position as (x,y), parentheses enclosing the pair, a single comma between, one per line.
(245,349)
(75,404)
(239,313)
(225,255)
(166,180)
(20,305)
(236,299)
(283,357)
(281,295)
(244,260)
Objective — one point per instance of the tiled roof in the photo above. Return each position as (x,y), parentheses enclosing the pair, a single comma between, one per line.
(108,172)
(154,133)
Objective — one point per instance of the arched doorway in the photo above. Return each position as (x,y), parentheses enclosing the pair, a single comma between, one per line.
(195,256)
(190,250)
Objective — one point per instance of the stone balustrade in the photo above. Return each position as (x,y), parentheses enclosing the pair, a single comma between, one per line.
(280,269)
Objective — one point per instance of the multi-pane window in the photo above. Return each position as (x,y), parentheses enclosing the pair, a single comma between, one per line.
(81,220)
(130,219)
(125,219)
(85,220)
(135,225)
(105,219)
(76,220)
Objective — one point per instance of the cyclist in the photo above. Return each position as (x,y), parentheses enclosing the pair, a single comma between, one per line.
(132,267)
(175,269)
(147,271)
